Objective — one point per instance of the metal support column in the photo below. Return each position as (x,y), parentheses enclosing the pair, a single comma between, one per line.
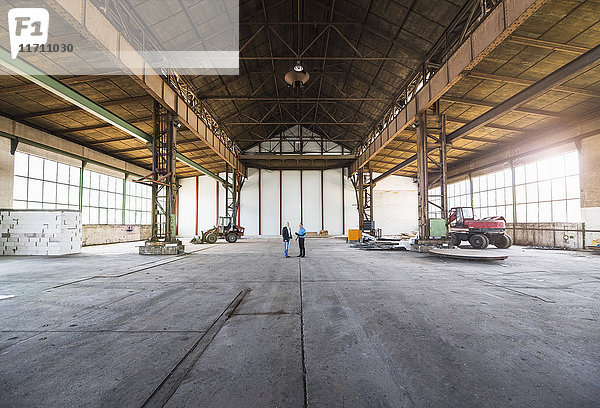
(164,185)
(235,181)
(363,187)
(432,172)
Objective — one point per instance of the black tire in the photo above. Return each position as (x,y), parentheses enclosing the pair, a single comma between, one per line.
(455,239)
(479,241)
(211,238)
(503,241)
(231,237)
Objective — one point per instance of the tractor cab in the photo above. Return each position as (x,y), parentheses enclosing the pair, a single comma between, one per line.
(224,224)
(459,215)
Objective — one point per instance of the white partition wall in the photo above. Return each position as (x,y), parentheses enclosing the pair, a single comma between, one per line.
(290,194)
(311,200)
(395,198)
(249,203)
(269,203)
(333,213)
(187,207)
(207,203)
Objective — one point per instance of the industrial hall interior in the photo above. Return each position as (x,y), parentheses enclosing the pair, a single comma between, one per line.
(299,203)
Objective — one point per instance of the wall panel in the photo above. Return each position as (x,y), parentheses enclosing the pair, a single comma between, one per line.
(291,198)
(270,202)
(311,199)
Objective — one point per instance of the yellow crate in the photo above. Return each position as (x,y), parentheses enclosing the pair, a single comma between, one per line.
(354,235)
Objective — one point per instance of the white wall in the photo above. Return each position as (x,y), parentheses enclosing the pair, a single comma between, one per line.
(395,203)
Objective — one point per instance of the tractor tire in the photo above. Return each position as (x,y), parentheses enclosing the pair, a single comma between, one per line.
(211,238)
(503,241)
(231,237)
(455,239)
(479,241)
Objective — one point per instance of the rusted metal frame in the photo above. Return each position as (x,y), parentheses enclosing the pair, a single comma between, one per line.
(422,177)
(163,168)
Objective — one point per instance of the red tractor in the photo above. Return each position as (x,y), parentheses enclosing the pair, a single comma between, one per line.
(479,233)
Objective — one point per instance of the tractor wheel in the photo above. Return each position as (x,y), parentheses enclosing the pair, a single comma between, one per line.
(211,238)
(503,241)
(455,239)
(231,237)
(479,241)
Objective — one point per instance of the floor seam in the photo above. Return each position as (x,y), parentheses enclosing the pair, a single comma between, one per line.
(302,335)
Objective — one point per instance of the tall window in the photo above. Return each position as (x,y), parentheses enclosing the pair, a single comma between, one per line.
(138,208)
(44,184)
(548,190)
(102,199)
(459,195)
(492,195)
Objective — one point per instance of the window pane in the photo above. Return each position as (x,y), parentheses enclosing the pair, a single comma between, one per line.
(492,197)
(34,205)
(93,216)
(557,166)
(508,195)
(34,190)
(94,198)
(500,197)
(62,194)
(491,181)
(573,211)
(532,193)
(483,183)
(521,194)
(520,175)
(545,212)
(49,206)
(103,182)
(530,172)
(521,213)
(20,188)
(500,179)
(103,199)
(476,184)
(50,170)
(75,174)
(74,195)
(86,178)
(508,211)
(94,180)
(111,184)
(545,190)
(559,211)
(86,196)
(85,215)
(559,189)
(49,192)
(63,173)
(532,212)
(573,187)
(544,169)
(21,164)
(484,201)
(36,167)
(507,177)
(103,216)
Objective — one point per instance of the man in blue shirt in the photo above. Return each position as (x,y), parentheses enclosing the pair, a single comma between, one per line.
(300,236)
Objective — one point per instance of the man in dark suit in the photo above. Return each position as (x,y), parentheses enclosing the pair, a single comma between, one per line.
(287,236)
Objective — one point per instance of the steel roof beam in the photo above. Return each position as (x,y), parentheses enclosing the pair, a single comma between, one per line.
(545,84)
(63,91)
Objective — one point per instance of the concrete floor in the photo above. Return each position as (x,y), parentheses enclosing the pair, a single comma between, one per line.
(341,327)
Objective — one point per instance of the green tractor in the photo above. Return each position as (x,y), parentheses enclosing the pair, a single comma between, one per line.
(226,228)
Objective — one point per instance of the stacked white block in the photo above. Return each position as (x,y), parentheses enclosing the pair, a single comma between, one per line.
(40,232)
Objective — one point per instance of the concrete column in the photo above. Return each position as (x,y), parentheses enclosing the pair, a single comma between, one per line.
(589,180)
(7,172)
